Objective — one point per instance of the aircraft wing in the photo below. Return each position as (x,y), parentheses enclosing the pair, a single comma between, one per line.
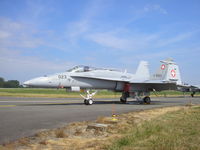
(153,85)
(188,88)
(102,78)
(157,85)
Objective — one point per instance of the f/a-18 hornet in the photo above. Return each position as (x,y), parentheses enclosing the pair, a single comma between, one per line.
(138,85)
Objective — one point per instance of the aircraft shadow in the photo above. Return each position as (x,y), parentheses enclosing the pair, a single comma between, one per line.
(100,103)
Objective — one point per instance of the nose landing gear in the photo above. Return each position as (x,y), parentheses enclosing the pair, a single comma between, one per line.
(88,99)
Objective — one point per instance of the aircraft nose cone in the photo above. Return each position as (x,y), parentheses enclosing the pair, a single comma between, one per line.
(36,82)
(26,83)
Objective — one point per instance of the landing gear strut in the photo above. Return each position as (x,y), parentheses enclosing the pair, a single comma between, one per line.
(88,99)
(124,97)
(193,93)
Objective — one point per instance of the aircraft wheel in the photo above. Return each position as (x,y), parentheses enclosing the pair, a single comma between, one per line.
(90,102)
(147,100)
(123,100)
(86,102)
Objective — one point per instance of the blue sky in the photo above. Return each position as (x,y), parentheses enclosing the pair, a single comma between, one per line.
(39,37)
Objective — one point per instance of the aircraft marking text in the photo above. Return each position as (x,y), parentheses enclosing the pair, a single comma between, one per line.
(62,76)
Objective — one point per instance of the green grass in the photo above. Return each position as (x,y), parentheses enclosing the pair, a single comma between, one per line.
(46,91)
(173,131)
(169,92)
(172,93)
(49,92)
(34,90)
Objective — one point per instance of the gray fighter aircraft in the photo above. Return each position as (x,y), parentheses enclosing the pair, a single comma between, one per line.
(138,85)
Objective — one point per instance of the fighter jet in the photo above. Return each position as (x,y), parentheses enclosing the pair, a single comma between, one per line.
(138,85)
(189,88)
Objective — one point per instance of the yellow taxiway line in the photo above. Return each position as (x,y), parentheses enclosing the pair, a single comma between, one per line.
(7,105)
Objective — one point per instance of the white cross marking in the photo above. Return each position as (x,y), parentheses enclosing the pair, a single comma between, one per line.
(163,67)
(173,73)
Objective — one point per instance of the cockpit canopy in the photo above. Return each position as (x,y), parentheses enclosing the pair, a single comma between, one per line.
(82,68)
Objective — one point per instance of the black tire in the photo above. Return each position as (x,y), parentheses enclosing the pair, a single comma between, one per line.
(123,100)
(147,100)
(86,102)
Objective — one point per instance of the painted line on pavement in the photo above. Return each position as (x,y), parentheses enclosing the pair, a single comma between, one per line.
(7,105)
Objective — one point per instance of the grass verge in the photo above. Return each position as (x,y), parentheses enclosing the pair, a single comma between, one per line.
(62,93)
(54,93)
(175,130)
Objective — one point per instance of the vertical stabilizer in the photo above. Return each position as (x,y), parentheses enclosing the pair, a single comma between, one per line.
(168,71)
(142,72)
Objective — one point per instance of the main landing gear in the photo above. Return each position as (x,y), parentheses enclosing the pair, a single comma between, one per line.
(88,99)
(123,98)
(141,97)
(193,93)
(143,100)
(147,100)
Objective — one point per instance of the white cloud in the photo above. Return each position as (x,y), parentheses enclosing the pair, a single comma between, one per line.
(154,7)
(4,35)
(17,34)
(76,29)
(14,65)
(117,41)
(175,38)
(7,24)
(112,41)
(85,29)
(139,13)
(137,41)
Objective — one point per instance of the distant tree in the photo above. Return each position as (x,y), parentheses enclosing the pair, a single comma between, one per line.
(1,82)
(11,84)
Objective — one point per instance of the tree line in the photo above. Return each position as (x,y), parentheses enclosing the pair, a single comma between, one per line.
(9,83)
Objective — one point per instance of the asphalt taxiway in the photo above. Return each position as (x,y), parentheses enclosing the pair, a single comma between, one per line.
(21,117)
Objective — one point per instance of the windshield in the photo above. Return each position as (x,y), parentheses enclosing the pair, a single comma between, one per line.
(80,69)
(86,69)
